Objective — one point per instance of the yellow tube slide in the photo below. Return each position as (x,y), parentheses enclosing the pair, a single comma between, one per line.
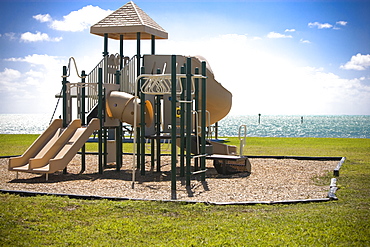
(120,105)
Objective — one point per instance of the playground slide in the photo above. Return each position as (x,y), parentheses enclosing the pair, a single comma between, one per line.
(55,148)
(219,99)
(120,105)
(69,148)
(21,163)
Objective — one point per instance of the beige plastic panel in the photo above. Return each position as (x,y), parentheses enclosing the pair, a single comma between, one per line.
(21,162)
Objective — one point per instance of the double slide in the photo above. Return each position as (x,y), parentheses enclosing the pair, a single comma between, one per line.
(55,148)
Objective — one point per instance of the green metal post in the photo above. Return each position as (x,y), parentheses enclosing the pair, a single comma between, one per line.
(105,53)
(196,161)
(120,52)
(100,116)
(153,44)
(66,110)
(203,122)
(65,103)
(182,126)
(138,37)
(158,129)
(101,101)
(118,133)
(173,123)
(142,125)
(83,120)
(138,63)
(188,120)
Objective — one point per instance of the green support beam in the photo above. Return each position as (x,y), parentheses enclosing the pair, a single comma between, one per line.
(100,116)
(203,122)
(65,103)
(142,126)
(83,120)
(182,125)
(173,123)
(118,132)
(188,121)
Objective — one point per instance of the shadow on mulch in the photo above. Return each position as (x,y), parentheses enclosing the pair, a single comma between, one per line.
(124,175)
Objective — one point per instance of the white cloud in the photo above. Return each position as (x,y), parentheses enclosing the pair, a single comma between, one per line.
(274,35)
(8,79)
(290,30)
(76,21)
(357,62)
(38,36)
(319,25)
(42,18)
(342,23)
(32,88)
(36,59)
(303,41)
(10,36)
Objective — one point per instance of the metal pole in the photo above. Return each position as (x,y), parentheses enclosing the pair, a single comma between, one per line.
(100,116)
(138,36)
(203,122)
(118,133)
(65,104)
(188,120)
(173,123)
(142,125)
(105,52)
(120,52)
(83,96)
(196,161)
(153,44)
(138,63)
(182,126)
(158,129)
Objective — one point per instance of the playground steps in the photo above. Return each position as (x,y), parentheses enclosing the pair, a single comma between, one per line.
(55,150)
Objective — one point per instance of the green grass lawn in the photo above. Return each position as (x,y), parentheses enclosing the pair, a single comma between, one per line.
(59,221)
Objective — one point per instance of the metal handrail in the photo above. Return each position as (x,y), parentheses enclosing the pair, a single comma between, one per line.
(242,138)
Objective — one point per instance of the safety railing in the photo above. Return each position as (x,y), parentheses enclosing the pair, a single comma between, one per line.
(109,64)
(128,76)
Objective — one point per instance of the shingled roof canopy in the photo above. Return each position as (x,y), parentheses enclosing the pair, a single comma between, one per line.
(129,20)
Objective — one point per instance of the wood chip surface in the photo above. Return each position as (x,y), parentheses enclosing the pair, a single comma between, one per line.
(270,180)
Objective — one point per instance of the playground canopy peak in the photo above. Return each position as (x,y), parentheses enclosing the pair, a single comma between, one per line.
(128,21)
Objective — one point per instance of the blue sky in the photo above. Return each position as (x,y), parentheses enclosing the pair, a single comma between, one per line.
(276,57)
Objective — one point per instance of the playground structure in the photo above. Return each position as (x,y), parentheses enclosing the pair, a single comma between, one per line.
(163,97)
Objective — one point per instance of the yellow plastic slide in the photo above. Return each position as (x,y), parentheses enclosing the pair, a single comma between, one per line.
(56,149)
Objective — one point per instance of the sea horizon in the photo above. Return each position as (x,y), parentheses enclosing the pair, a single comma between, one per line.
(323,126)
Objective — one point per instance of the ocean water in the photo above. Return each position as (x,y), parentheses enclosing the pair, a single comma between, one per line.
(23,123)
(269,126)
(295,126)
